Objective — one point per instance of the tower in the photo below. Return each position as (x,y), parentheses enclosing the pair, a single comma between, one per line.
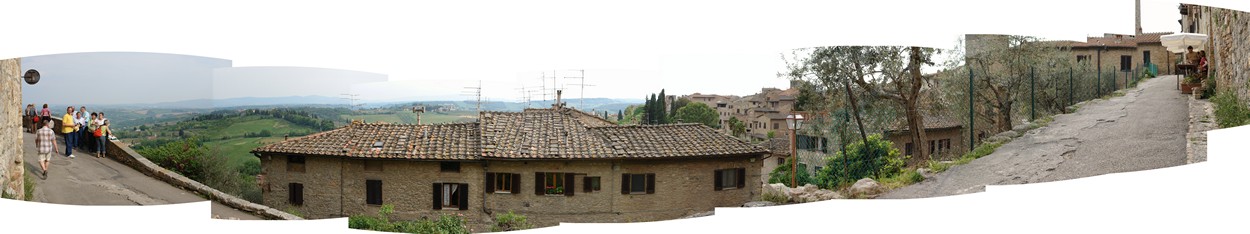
(1137,12)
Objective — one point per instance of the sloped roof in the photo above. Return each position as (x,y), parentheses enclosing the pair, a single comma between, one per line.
(376,140)
(931,122)
(531,134)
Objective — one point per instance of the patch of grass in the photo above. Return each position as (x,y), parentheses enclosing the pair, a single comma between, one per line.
(28,186)
(775,197)
(294,212)
(907,177)
(980,151)
(1230,111)
(510,222)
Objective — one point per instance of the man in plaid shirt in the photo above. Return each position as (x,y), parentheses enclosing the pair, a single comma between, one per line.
(45,140)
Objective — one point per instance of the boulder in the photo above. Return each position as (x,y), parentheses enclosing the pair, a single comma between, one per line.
(827,195)
(809,188)
(759,204)
(1008,134)
(1021,127)
(866,187)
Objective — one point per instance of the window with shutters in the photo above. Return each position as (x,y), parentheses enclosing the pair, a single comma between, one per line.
(733,178)
(295,163)
(373,165)
(503,182)
(373,192)
(295,194)
(638,183)
(451,196)
(553,183)
(591,184)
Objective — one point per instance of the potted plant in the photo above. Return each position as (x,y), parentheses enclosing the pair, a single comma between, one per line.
(1188,84)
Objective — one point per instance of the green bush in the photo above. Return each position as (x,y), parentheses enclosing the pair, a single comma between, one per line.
(510,222)
(1230,111)
(381,222)
(876,158)
(782,174)
(190,158)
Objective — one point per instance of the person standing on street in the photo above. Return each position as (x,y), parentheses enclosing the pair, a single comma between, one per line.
(104,138)
(68,126)
(81,130)
(45,140)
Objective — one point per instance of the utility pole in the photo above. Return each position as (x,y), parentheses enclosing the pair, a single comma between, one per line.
(351,99)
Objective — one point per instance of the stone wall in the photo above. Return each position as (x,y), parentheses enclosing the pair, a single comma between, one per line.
(1230,53)
(11,170)
(682,187)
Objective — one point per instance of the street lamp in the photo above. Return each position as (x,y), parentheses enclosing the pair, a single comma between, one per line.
(794,122)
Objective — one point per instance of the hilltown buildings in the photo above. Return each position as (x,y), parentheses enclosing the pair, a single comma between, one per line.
(553,165)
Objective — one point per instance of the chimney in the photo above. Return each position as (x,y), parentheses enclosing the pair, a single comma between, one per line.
(558,103)
(1138,12)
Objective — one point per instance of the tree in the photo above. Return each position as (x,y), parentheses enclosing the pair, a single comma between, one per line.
(620,114)
(698,113)
(889,72)
(782,174)
(1004,67)
(737,127)
(876,158)
(678,104)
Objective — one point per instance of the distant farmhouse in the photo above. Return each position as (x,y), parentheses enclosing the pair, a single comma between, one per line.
(553,165)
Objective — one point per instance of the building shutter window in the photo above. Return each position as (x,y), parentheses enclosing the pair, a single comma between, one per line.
(464,196)
(651,183)
(538,184)
(624,183)
(373,192)
(438,196)
(568,186)
(516,183)
(718,180)
(296,193)
(490,182)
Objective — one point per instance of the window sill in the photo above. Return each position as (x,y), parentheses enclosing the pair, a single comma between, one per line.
(503,192)
(729,188)
(638,193)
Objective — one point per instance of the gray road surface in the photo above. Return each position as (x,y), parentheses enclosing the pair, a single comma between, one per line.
(1145,129)
(87,180)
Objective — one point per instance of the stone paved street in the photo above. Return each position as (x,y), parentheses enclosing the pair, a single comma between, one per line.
(1145,129)
(87,180)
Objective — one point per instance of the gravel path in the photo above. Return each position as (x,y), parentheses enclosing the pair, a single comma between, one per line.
(1144,129)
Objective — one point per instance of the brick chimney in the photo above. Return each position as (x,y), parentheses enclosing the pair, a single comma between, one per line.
(558,104)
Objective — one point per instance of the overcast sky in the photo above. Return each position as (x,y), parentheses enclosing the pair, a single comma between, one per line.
(436,49)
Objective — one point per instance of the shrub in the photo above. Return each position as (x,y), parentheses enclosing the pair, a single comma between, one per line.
(876,158)
(775,197)
(907,177)
(510,222)
(782,174)
(1230,111)
(381,222)
(188,157)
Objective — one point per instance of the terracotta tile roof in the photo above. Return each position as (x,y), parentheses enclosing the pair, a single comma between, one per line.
(931,122)
(377,140)
(672,140)
(538,134)
(530,134)
(1150,37)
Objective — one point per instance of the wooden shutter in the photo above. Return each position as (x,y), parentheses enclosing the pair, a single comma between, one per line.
(373,192)
(516,183)
(568,184)
(295,193)
(438,196)
(624,183)
(538,183)
(490,182)
(586,184)
(651,183)
(718,180)
(742,177)
(464,196)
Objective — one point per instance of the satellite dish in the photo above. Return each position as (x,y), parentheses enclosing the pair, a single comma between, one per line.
(31,76)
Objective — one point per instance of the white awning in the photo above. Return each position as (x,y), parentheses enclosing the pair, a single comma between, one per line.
(1179,42)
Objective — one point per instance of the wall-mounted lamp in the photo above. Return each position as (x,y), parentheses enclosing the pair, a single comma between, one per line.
(31,76)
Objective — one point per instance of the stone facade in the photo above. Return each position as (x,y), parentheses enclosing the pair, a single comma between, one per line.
(11,164)
(1228,49)
(682,187)
(954,137)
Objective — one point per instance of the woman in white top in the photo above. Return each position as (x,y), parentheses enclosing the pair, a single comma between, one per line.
(81,121)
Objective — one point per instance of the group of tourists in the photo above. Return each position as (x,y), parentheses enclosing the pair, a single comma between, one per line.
(82,129)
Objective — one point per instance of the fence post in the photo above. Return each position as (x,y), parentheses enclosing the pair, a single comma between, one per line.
(1032,95)
(1098,83)
(1069,87)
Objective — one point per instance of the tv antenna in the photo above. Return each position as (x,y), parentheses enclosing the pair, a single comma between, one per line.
(581,100)
(476,91)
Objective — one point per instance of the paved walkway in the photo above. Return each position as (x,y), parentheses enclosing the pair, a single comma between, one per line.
(1145,129)
(87,180)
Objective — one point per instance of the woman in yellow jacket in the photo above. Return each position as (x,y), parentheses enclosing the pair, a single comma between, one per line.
(104,137)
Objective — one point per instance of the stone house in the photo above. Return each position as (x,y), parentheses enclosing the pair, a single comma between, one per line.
(944,135)
(552,165)
(11,172)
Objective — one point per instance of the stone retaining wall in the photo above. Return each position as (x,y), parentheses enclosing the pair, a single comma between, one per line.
(119,152)
(1230,58)
(11,170)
